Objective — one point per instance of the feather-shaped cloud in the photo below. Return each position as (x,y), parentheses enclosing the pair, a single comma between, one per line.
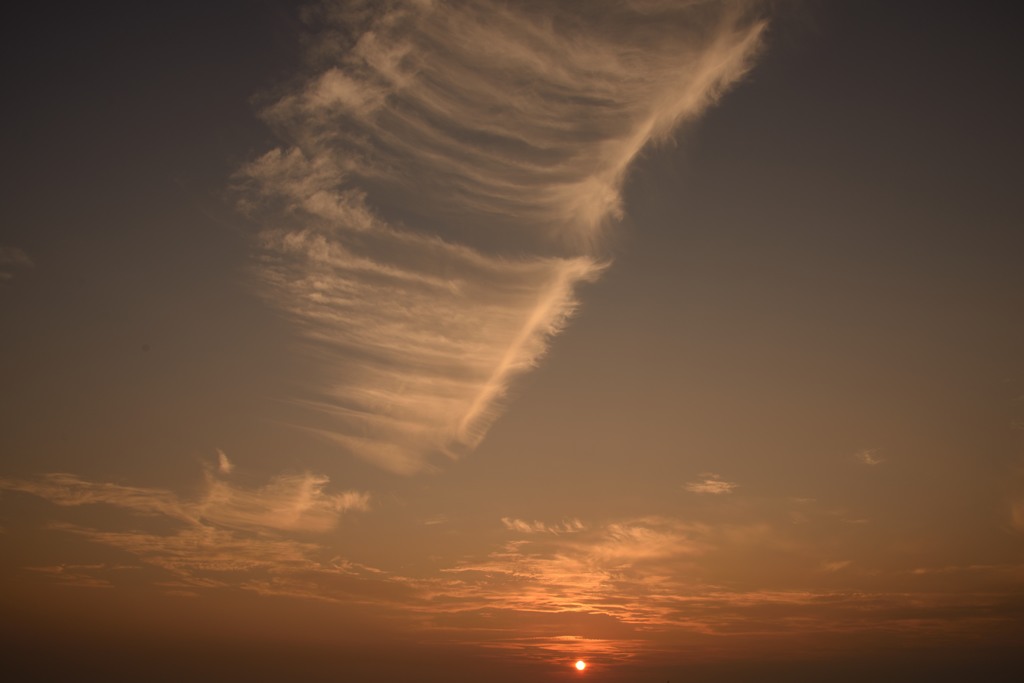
(449,171)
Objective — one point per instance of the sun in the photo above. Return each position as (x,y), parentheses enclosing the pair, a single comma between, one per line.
(580,665)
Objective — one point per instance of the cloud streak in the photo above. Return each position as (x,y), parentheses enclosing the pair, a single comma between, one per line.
(449,173)
(617,588)
(536,527)
(287,503)
(711,483)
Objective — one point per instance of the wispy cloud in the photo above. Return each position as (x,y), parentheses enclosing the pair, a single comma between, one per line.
(869,456)
(228,528)
(835,565)
(614,588)
(654,583)
(70,490)
(224,466)
(288,503)
(80,575)
(535,527)
(449,173)
(602,570)
(711,483)
(11,260)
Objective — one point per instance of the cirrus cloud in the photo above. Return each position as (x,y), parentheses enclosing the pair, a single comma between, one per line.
(447,176)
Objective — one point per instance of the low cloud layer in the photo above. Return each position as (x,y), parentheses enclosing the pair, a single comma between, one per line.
(449,172)
(656,584)
(288,503)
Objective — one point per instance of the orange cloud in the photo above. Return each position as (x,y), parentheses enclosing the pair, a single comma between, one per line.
(712,483)
(288,502)
(648,584)
(564,527)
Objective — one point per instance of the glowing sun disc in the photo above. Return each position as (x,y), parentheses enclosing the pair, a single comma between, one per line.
(580,664)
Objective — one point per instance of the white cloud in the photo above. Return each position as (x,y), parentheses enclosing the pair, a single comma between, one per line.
(441,201)
(711,483)
(197,549)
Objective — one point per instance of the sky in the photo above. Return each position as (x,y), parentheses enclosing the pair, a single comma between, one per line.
(457,341)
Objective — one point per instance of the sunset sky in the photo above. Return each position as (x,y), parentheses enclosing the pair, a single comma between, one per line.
(355,340)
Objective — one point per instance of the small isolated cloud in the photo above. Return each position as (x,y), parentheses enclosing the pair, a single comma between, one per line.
(869,456)
(712,483)
(224,466)
(835,565)
(11,260)
(82,576)
(524,527)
